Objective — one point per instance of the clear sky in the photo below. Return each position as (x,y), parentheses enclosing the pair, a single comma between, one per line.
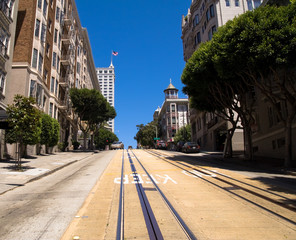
(147,37)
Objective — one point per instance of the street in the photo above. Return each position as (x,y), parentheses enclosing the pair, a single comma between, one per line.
(43,208)
(146,194)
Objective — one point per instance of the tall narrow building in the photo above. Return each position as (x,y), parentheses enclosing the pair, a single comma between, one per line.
(106,78)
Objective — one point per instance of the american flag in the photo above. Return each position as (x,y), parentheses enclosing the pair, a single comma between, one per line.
(114,53)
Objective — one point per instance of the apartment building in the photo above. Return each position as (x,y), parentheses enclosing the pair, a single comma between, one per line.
(202,20)
(52,55)
(8,18)
(106,77)
(173,114)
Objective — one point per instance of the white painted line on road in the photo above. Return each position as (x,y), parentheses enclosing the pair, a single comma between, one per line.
(142,178)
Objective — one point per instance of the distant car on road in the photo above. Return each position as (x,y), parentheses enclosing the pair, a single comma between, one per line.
(117,145)
(190,147)
(160,144)
(180,146)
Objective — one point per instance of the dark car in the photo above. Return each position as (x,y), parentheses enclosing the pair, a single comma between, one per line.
(180,146)
(190,147)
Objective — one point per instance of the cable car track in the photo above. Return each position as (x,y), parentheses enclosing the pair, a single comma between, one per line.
(230,181)
(153,229)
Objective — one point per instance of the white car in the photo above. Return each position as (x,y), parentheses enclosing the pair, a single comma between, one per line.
(117,145)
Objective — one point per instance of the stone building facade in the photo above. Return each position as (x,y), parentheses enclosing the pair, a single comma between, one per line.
(52,54)
(172,115)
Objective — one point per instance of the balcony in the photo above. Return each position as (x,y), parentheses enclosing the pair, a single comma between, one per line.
(64,105)
(68,39)
(67,60)
(68,19)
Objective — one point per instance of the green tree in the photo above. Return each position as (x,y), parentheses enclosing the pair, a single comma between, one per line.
(261,46)
(255,49)
(146,134)
(183,134)
(104,137)
(50,131)
(91,108)
(25,123)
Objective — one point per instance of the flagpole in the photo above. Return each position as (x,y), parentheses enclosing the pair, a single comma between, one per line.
(111,56)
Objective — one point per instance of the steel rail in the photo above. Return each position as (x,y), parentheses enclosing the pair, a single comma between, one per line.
(150,220)
(235,185)
(177,217)
(120,217)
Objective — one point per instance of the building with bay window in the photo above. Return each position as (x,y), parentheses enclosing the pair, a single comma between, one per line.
(172,115)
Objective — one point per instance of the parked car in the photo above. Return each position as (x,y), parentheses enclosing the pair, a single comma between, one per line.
(117,145)
(180,146)
(160,144)
(190,147)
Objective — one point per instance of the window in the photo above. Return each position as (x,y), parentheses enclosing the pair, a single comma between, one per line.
(39,94)
(211,32)
(78,67)
(58,14)
(250,5)
(197,39)
(236,2)
(257,3)
(196,20)
(56,87)
(58,63)
(55,39)
(43,32)
(54,59)
(212,12)
(40,63)
(44,8)
(52,82)
(34,59)
(2,81)
(210,35)
(33,88)
(50,109)
(173,108)
(227,2)
(110,71)
(47,49)
(49,25)
(208,15)
(45,72)
(37,28)
(78,51)
(39,4)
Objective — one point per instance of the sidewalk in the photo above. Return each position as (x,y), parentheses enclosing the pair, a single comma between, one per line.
(35,167)
(258,164)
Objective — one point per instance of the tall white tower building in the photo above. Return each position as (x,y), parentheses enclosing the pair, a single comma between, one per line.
(106,77)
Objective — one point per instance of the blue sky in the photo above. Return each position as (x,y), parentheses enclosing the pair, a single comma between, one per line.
(147,36)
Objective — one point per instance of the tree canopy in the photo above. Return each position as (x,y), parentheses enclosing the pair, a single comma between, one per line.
(104,137)
(92,109)
(146,134)
(255,49)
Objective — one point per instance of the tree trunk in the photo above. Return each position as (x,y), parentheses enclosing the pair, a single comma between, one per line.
(288,143)
(84,140)
(228,145)
(249,150)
